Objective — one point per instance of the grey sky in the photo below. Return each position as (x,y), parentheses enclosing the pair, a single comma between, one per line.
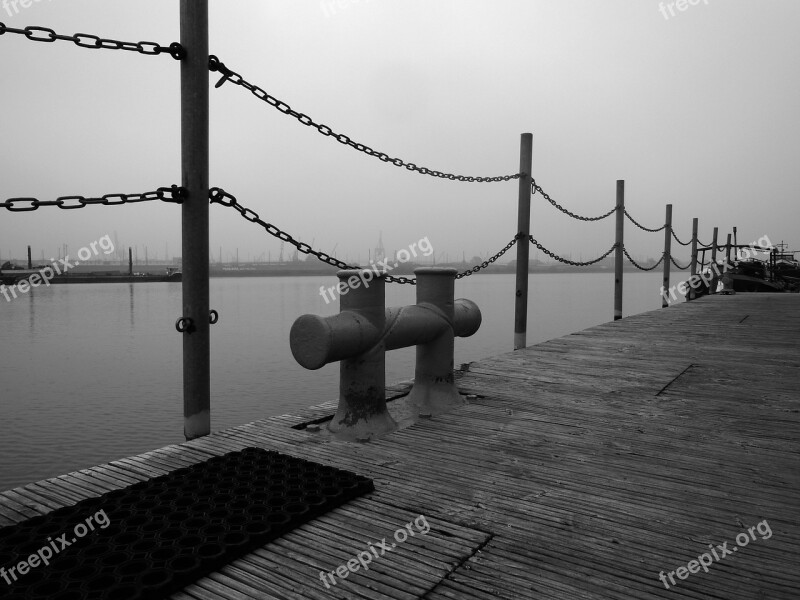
(699,109)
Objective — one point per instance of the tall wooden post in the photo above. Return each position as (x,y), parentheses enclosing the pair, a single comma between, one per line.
(693,268)
(620,246)
(667,257)
(714,261)
(523,244)
(194,167)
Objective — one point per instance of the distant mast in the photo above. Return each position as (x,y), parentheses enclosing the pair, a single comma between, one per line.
(380,251)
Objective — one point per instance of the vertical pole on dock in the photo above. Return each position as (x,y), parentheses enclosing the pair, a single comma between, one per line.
(714,260)
(693,269)
(194,167)
(30,261)
(728,250)
(130,262)
(620,246)
(523,245)
(667,257)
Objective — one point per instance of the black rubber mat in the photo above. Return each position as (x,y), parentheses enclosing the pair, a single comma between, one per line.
(153,538)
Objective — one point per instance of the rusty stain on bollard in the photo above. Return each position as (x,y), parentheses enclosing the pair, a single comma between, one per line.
(364,330)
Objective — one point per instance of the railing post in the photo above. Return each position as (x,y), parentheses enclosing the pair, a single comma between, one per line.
(194,166)
(728,251)
(667,257)
(714,269)
(523,244)
(693,268)
(620,245)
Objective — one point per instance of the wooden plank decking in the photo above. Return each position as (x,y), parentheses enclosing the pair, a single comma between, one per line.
(585,466)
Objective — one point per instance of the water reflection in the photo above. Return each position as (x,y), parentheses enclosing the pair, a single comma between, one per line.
(31,312)
(130,295)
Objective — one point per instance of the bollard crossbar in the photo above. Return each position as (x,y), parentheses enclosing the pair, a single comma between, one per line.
(359,336)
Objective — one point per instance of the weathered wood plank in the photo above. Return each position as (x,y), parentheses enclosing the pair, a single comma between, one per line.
(586,466)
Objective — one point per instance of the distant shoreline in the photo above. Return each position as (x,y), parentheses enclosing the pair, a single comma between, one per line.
(156,273)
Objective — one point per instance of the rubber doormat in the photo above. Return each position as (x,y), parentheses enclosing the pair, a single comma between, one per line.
(151,539)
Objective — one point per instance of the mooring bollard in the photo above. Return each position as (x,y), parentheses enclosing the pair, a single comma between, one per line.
(364,330)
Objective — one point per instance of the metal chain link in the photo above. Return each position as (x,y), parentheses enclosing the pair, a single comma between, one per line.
(566,261)
(220,196)
(214,64)
(85,40)
(535,188)
(637,265)
(677,266)
(640,226)
(677,240)
(174,194)
(488,261)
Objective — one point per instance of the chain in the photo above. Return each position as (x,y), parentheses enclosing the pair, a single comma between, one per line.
(535,188)
(677,266)
(640,226)
(489,261)
(637,265)
(214,64)
(166,194)
(85,40)
(220,196)
(677,240)
(567,261)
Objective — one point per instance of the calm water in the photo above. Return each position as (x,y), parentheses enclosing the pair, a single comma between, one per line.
(92,373)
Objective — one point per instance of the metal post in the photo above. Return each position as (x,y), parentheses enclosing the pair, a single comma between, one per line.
(620,246)
(194,167)
(30,261)
(714,262)
(693,269)
(667,257)
(130,262)
(728,251)
(523,245)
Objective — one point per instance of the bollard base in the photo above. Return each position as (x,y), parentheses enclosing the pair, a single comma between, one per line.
(434,399)
(347,427)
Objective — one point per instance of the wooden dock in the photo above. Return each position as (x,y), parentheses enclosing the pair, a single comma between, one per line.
(583,468)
